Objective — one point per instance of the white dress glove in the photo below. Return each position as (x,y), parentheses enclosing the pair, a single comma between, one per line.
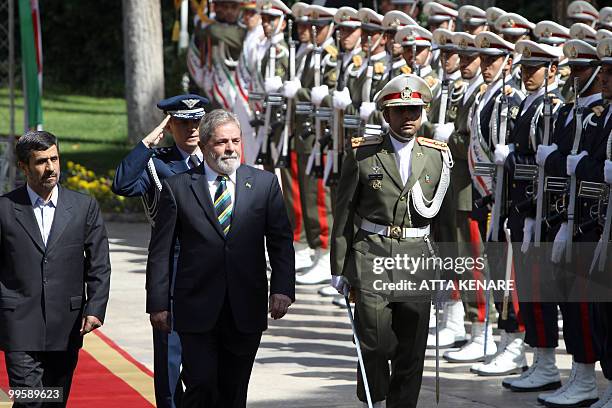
(559,244)
(366,109)
(443,132)
(528,228)
(273,84)
(342,99)
(318,93)
(501,154)
(340,284)
(543,152)
(608,171)
(290,88)
(572,162)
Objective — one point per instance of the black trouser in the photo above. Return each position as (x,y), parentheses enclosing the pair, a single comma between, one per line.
(602,335)
(394,331)
(37,369)
(217,364)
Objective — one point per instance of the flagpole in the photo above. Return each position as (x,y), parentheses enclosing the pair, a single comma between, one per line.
(11,86)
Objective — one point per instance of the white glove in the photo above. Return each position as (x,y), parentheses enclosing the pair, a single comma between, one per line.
(318,93)
(443,132)
(273,84)
(342,99)
(501,153)
(608,171)
(528,228)
(290,88)
(340,284)
(366,109)
(543,152)
(572,162)
(559,244)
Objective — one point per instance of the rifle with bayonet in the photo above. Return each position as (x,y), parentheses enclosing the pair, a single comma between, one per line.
(571,207)
(315,162)
(283,159)
(334,155)
(263,157)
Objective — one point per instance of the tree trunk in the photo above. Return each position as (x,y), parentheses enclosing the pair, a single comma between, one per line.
(144,65)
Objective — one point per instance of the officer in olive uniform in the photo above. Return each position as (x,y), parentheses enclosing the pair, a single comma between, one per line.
(385,183)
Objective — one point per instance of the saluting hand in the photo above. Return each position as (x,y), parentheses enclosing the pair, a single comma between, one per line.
(278,305)
(89,324)
(153,138)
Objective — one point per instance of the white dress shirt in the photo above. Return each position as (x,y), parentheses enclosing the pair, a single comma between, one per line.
(213,184)
(403,157)
(44,211)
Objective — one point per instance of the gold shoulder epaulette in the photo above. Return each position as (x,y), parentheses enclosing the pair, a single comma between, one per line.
(436,144)
(366,141)
(483,88)
(458,84)
(508,90)
(357,60)
(431,81)
(379,68)
(598,110)
(406,69)
(331,50)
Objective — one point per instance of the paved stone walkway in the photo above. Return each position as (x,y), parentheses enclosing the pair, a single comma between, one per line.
(306,359)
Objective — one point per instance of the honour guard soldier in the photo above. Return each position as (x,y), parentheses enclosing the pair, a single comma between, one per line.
(140,175)
(412,8)
(452,329)
(393,21)
(375,71)
(473,19)
(215,54)
(580,11)
(539,64)
(416,43)
(384,185)
(316,198)
(493,13)
(498,99)
(551,33)
(513,27)
(602,312)
(581,386)
(439,16)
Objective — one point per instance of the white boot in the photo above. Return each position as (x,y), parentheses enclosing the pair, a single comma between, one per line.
(543,374)
(303,257)
(606,399)
(543,396)
(510,358)
(320,272)
(328,291)
(581,392)
(451,327)
(473,350)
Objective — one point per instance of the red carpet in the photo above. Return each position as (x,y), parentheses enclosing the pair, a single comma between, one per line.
(106,376)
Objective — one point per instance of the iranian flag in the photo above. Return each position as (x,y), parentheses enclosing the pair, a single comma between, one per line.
(32,63)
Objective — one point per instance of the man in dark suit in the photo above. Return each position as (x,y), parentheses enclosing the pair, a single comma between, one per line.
(140,175)
(54,271)
(222,213)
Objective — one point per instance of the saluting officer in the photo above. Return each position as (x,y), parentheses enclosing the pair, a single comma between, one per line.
(140,174)
(385,184)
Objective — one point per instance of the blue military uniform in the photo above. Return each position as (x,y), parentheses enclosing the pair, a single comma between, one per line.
(139,175)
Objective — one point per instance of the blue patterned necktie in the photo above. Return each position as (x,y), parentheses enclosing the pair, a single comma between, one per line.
(223,204)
